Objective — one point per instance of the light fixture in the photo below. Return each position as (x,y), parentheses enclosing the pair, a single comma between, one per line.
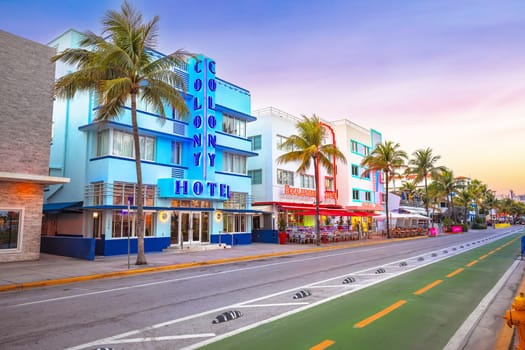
(95,215)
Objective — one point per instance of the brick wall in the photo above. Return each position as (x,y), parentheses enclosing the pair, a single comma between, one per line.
(26,105)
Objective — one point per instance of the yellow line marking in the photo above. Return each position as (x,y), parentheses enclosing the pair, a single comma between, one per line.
(380,314)
(491,252)
(483,257)
(472,263)
(454,273)
(427,287)
(323,345)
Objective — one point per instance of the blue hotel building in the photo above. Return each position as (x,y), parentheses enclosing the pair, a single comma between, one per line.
(196,187)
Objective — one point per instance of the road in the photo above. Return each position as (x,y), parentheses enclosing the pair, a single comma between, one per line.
(173,310)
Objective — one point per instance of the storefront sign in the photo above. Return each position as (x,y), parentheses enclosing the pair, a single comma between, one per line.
(306,192)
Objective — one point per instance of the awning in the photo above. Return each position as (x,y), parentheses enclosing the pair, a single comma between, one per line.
(243,211)
(335,212)
(62,206)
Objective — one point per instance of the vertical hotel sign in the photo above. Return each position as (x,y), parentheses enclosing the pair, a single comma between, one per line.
(202,128)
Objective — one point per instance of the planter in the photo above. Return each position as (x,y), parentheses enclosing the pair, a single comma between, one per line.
(282,237)
(457,229)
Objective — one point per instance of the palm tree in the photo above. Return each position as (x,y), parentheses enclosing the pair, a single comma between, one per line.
(386,157)
(307,146)
(119,66)
(422,165)
(464,198)
(447,185)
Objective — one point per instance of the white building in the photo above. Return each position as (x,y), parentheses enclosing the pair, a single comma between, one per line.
(280,191)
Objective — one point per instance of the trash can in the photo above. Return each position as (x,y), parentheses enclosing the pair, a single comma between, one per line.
(282,237)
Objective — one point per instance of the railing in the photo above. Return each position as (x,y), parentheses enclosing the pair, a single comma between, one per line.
(104,193)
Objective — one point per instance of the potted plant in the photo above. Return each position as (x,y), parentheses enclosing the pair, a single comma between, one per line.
(281,227)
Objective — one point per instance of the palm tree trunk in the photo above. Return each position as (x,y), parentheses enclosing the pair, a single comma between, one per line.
(386,207)
(426,203)
(139,199)
(317,221)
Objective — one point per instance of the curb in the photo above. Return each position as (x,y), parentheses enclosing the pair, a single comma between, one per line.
(506,333)
(123,273)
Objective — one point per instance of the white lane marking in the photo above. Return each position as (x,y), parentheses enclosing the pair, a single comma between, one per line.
(271,305)
(181,279)
(165,338)
(381,278)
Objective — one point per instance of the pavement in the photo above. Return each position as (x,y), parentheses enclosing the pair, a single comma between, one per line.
(489,333)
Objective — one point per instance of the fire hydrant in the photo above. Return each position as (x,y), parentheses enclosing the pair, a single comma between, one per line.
(516,317)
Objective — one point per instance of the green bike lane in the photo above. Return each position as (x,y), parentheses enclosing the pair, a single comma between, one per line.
(421,309)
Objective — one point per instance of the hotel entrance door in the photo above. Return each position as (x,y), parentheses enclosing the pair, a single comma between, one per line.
(190,227)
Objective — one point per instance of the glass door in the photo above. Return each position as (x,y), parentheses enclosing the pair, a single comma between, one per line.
(185,226)
(196,227)
(174,228)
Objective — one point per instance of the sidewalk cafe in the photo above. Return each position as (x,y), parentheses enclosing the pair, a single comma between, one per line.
(403,225)
(337,224)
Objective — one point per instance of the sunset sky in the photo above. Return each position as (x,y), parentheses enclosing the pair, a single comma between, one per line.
(444,74)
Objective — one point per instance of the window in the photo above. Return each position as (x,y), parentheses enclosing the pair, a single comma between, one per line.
(307,181)
(368,196)
(329,183)
(103,143)
(355,195)
(122,145)
(237,200)
(233,126)
(234,163)
(256,142)
(256,176)
(355,170)
(124,224)
(98,193)
(176,152)
(359,148)
(280,140)
(9,228)
(123,191)
(284,177)
(147,148)
(234,223)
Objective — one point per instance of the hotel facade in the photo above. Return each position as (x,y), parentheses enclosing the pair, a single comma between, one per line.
(196,185)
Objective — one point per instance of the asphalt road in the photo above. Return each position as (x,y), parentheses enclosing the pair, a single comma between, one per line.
(173,310)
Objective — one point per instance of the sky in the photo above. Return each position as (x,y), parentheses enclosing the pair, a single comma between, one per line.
(443,74)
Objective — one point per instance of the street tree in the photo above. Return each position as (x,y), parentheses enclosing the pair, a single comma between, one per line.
(388,158)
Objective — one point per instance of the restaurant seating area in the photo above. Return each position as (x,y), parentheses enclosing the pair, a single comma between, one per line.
(403,232)
(329,234)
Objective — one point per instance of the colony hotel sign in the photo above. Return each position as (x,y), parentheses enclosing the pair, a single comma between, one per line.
(200,176)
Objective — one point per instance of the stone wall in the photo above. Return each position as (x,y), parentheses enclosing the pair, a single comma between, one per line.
(26,106)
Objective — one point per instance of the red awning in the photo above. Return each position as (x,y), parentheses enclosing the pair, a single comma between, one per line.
(329,212)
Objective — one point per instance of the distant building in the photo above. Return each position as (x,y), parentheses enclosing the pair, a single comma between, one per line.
(196,185)
(26,106)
